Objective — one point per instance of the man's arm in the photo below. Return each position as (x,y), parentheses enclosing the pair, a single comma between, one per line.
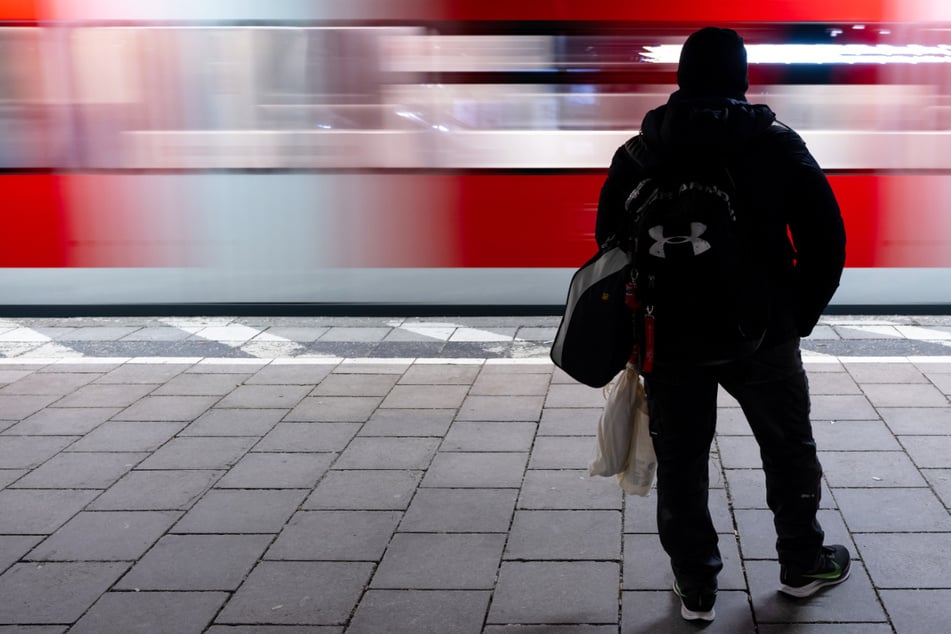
(621,178)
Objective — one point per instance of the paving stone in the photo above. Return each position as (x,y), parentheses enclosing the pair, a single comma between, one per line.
(647,567)
(218,359)
(81,471)
(841,407)
(568,490)
(562,452)
(739,452)
(155,490)
(234,422)
(556,592)
(928,452)
(826,628)
(151,612)
(565,535)
(495,436)
(854,435)
(292,333)
(569,421)
(144,373)
(105,536)
(224,511)
(758,535)
(420,612)
(575,395)
(128,436)
(355,385)
(39,511)
(939,479)
(833,383)
(425,396)
(852,601)
(18,407)
(501,408)
(348,333)
(334,408)
(298,592)
(427,561)
(201,385)
(54,592)
(274,629)
(476,470)
(869,469)
(918,610)
(13,547)
(460,511)
(196,562)
(646,612)
(408,422)
(363,364)
(277,471)
(904,395)
(732,422)
(291,374)
(198,453)
(893,510)
(511,384)
(9,476)
(63,421)
(886,372)
(343,536)
(440,374)
(388,453)
(105,395)
(308,437)
(9,376)
(550,629)
(265,396)
(58,384)
(167,408)
(917,420)
(640,513)
(370,490)
(27,452)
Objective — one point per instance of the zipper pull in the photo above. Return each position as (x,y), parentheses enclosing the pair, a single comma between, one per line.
(648,363)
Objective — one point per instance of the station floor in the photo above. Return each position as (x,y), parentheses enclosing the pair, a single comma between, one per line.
(380,475)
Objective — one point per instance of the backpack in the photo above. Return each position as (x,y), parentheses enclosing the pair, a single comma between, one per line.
(699,271)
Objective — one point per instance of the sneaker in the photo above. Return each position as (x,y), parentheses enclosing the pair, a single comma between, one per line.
(696,606)
(832,569)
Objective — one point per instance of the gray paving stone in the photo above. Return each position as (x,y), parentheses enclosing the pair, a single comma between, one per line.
(732,422)
(828,628)
(363,364)
(420,612)
(440,374)
(640,513)
(904,395)
(167,408)
(574,395)
(928,452)
(225,511)
(217,360)
(758,535)
(852,601)
(77,470)
(869,469)
(291,374)
(370,490)
(833,383)
(63,421)
(550,629)
(501,408)
(388,453)
(96,333)
(355,385)
(196,562)
(425,396)
(917,420)
(495,436)
(201,385)
(556,592)
(155,491)
(274,629)
(298,592)
(938,479)
(887,372)
(568,490)
(151,612)
(39,511)
(460,511)
(343,536)
(8,376)
(277,471)
(17,407)
(918,610)
(854,435)
(841,407)
(349,333)
(9,476)
(27,452)
(885,510)
(408,422)
(265,396)
(428,561)
(646,612)
(58,384)
(198,453)
(564,452)
(511,384)
(105,395)
(476,470)
(13,547)
(308,437)
(334,409)
(234,422)
(105,536)
(569,421)
(739,452)
(128,436)
(158,333)
(565,535)
(647,567)
(54,592)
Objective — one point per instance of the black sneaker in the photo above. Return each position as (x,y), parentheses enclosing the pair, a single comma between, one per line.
(832,569)
(696,606)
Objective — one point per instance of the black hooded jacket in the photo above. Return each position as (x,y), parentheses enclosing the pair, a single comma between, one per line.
(777,179)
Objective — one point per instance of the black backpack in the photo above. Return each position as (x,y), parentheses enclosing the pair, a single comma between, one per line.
(698,265)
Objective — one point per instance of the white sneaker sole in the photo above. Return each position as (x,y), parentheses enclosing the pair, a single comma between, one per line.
(691,615)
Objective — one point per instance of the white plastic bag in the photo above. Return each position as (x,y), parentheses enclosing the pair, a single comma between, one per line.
(641,463)
(615,427)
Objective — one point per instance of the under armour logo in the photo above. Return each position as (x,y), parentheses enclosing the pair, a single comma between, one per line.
(661,241)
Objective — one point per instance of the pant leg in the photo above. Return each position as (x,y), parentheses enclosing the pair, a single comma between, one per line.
(773,391)
(682,406)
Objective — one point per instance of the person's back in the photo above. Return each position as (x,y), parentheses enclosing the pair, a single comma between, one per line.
(780,188)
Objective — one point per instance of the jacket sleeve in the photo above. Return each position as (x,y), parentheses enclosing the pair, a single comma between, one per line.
(621,178)
(818,236)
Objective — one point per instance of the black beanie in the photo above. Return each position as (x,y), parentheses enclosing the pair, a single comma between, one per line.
(713,64)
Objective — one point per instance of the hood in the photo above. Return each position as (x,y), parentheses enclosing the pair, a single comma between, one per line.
(708,123)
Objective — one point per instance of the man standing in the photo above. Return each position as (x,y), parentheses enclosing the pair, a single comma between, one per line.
(799,231)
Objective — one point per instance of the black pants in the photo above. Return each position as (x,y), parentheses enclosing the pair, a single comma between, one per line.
(772,389)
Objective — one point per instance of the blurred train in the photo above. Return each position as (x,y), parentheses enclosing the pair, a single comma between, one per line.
(423,153)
